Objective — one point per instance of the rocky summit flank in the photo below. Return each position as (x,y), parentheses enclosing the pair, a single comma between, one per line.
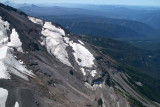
(44,65)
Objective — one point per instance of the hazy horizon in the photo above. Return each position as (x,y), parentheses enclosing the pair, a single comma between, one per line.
(102,2)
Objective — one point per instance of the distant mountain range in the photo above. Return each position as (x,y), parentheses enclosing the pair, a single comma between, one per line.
(148,15)
(145,15)
(125,23)
(108,27)
(16,5)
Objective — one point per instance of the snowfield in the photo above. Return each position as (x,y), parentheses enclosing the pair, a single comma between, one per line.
(3,71)
(3,97)
(8,62)
(4,26)
(36,21)
(82,55)
(53,41)
(56,43)
(3,51)
(15,41)
(48,25)
(83,58)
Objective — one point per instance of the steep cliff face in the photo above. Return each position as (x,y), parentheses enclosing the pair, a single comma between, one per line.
(44,65)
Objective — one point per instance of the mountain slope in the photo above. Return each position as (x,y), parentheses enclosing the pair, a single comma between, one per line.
(44,65)
(135,61)
(145,60)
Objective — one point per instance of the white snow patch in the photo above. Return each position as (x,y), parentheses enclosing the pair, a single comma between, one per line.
(3,52)
(93,73)
(3,71)
(83,71)
(15,41)
(15,67)
(4,26)
(48,25)
(36,21)
(97,85)
(82,55)
(54,43)
(80,42)
(66,39)
(21,62)
(3,41)
(16,104)
(94,87)
(8,62)
(3,97)
(42,42)
(139,84)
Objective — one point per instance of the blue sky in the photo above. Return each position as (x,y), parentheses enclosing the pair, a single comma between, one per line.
(121,2)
